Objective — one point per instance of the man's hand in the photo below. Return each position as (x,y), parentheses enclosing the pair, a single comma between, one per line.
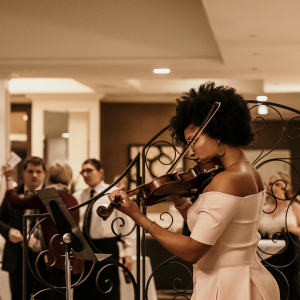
(32,241)
(8,171)
(127,262)
(15,235)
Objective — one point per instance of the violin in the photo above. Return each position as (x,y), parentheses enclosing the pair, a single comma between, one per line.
(182,184)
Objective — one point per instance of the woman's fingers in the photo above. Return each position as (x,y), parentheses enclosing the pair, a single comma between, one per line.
(115,193)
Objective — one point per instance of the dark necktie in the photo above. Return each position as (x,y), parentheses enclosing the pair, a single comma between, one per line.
(92,193)
(89,217)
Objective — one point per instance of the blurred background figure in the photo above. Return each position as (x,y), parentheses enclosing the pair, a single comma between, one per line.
(59,177)
(11,225)
(273,225)
(102,236)
(279,193)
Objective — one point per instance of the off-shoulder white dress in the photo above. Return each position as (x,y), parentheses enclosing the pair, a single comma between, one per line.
(231,269)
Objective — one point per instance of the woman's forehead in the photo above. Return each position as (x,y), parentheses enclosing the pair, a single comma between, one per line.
(190,130)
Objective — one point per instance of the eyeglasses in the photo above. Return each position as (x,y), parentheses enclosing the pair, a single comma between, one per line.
(194,142)
(88,171)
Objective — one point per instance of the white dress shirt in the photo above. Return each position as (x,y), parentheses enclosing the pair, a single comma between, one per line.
(102,229)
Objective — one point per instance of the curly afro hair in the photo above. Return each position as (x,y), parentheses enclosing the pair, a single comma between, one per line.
(231,124)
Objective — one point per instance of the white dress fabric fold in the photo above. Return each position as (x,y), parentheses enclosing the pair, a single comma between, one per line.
(231,269)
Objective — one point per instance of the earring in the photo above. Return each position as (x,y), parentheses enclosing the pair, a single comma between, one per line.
(220,149)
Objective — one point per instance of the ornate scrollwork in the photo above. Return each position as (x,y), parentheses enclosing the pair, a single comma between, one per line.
(170,160)
(182,291)
(289,129)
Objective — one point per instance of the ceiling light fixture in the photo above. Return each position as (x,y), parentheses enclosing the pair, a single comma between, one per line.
(261,98)
(65,135)
(263,109)
(161,71)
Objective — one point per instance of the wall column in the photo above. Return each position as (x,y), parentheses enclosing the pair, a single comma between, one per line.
(4,128)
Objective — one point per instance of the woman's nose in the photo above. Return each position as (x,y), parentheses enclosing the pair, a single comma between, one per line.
(191,151)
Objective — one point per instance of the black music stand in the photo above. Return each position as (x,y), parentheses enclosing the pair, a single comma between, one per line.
(72,237)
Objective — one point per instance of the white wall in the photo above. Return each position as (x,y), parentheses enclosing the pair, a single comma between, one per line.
(4,150)
(4,130)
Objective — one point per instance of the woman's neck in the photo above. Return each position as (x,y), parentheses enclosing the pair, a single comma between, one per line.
(232,155)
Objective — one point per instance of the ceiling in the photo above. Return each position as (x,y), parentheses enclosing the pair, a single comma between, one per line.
(113,46)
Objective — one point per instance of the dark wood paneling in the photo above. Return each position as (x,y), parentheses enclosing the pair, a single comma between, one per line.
(123,125)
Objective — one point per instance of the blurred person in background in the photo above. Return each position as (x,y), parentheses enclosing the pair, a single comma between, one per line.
(11,225)
(102,236)
(272,225)
(59,176)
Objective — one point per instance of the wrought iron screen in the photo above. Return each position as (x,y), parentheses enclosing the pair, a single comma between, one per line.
(276,148)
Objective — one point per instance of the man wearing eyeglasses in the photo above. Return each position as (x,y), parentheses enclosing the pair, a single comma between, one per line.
(102,236)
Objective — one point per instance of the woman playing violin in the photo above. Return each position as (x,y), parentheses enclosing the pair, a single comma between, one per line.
(224,219)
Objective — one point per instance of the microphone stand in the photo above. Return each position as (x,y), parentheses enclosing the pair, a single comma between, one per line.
(67,239)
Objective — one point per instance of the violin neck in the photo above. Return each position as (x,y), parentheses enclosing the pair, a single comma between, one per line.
(207,119)
(136,190)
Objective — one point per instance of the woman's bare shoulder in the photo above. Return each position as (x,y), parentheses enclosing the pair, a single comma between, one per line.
(235,183)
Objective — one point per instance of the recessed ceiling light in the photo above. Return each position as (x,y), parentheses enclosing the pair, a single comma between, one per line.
(261,98)
(263,109)
(161,71)
(65,135)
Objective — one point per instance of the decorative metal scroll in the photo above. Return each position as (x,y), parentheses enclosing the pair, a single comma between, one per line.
(278,157)
(275,148)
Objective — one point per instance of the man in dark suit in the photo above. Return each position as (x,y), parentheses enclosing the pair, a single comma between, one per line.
(11,224)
